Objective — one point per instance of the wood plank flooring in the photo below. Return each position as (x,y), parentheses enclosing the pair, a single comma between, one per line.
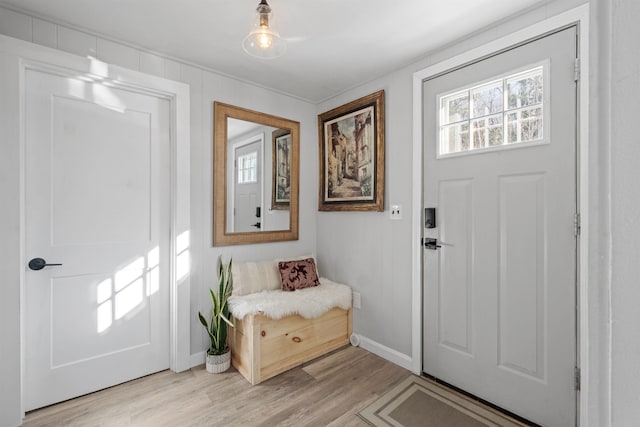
(328,391)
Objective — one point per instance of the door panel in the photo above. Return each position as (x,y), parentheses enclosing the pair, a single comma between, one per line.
(456,275)
(97,201)
(499,294)
(522,279)
(81,212)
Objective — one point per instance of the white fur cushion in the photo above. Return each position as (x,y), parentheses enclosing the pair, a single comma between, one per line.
(308,303)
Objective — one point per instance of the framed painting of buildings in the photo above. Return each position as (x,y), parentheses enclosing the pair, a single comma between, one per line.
(351,172)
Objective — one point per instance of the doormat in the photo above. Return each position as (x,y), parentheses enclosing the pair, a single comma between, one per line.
(421,402)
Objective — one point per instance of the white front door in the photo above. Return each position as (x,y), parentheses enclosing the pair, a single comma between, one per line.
(248,187)
(97,175)
(500,291)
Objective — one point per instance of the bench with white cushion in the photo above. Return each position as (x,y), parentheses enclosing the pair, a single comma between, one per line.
(276,330)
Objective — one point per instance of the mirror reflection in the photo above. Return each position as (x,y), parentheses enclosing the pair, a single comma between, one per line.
(255,176)
(258,173)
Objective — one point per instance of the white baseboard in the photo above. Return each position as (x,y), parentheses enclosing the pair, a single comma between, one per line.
(374,347)
(198,358)
(387,353)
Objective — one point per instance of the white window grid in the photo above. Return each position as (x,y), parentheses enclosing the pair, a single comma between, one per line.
(248,168)
(463,142)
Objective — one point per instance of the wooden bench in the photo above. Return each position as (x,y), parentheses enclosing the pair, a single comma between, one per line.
(277,330)
(262,347)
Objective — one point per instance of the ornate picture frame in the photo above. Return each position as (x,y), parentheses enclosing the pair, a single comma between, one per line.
(351,172)
(281,169)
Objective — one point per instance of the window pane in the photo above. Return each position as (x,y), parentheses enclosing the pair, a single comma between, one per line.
(487,132)
(505,111)
(525,89)
(247,168)
(454,108)
(454,138)
(487,99)
(525,125)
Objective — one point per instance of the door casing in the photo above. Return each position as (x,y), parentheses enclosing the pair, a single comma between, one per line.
(580,16)
(39,58)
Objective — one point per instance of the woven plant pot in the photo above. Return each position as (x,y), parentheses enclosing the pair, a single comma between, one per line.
(217,363)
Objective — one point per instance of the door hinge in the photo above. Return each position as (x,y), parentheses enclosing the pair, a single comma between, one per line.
(576,70)
(576,225)
(577,378)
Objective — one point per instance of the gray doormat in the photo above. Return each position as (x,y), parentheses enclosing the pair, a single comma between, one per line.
(419,402)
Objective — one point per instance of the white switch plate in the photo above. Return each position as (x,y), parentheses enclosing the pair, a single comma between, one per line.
(395,212)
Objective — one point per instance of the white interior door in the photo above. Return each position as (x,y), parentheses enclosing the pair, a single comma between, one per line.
(97,202)
(500,292)
(248,187)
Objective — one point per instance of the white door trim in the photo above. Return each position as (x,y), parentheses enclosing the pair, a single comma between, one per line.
(35,57)
(579,15)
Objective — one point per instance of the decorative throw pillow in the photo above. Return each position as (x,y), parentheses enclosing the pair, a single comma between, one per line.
(251,277)
(298,258)
(298,274)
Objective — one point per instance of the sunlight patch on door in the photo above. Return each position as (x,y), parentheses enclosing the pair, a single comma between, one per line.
(129,298)
(183,260)
(153,271)
(127,290)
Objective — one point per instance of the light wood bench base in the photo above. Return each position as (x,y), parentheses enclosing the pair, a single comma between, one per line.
(262,347)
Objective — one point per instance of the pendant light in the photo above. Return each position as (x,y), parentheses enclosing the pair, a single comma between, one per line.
(262,41)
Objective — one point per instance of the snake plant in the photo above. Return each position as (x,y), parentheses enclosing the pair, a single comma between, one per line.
(219,323)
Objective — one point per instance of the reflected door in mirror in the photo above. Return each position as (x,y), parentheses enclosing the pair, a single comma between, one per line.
(247,187)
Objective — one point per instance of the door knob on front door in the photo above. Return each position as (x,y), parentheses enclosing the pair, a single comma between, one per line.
(39,264)
(431,243)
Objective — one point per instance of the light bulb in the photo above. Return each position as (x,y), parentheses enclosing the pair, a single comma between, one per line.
(264,38)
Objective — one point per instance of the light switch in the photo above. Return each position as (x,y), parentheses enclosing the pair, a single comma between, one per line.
(396,212)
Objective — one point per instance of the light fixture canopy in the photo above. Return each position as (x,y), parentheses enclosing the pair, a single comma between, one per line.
(263,41)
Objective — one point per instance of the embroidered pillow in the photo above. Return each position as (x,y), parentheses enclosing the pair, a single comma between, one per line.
(298,258)
(298,274)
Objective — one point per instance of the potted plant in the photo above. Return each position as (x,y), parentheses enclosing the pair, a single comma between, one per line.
(219,355)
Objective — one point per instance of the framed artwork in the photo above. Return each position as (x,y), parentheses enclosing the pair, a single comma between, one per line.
(281,169)
(351,139)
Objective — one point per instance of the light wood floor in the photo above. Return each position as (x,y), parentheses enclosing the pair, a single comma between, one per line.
(329,391)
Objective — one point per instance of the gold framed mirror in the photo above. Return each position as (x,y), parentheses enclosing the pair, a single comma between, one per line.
(255,176)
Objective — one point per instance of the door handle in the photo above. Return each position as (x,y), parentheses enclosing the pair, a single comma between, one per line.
(256,225)
(39,264)
(431,243)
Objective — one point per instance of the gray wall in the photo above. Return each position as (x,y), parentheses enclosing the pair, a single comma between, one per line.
(625,211)
(367,250)
(205,88)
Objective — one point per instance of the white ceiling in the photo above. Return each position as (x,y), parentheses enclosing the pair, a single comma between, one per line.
(333,45)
